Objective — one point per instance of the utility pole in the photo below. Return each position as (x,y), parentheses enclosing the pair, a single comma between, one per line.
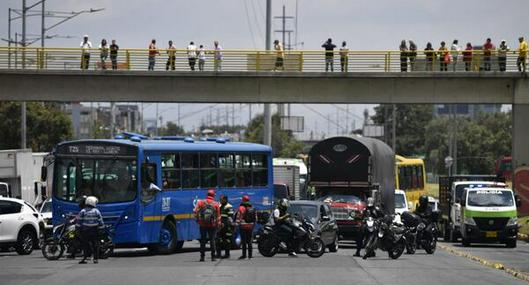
(394,128)
(267,140)
(42,27)
(283,31)
(23,130)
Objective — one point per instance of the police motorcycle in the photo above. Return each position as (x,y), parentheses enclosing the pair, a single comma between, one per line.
(66,238)
(427,233)
(304,239)
(410,222)
(384,234)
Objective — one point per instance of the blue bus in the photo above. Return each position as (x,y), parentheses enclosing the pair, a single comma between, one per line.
(147,188)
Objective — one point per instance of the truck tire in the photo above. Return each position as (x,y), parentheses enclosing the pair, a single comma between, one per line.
(465,242)
(452,236)
(446,231)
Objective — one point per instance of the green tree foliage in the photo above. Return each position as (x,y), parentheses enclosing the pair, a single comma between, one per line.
(171,129)
(46,126)
(284,144)
(480,141)
(410,127)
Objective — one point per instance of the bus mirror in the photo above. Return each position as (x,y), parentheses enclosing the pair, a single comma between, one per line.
(43,173)
(36,188)
(463,203)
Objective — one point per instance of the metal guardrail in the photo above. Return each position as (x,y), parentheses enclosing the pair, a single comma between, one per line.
(253,60)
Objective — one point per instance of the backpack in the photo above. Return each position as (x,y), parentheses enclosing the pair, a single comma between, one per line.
(207,215)
(249,215)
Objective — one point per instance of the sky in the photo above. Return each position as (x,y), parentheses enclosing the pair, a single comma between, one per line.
(240,24)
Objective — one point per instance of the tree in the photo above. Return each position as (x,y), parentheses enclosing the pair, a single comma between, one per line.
(46,126)
(284,144)
(171,129)
(480,141)
(410,126)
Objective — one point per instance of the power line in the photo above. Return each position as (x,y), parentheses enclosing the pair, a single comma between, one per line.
(249,24)
(323,116)
(259,31)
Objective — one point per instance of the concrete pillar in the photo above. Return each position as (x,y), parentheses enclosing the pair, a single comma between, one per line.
(520,135)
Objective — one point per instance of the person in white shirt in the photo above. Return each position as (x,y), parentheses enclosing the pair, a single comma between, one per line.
(201,58)
(192,55)
(217,57)
(85,58)
(455,49)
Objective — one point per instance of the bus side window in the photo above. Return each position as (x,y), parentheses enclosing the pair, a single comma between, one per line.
(148,177)
(259,170)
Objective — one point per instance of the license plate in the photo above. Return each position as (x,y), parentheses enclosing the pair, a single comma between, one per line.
(491,234)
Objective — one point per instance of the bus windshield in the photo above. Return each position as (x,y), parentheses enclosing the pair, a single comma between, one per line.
(109,179)
(490,198)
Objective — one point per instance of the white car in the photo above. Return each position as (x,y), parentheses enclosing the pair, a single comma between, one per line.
(20,225)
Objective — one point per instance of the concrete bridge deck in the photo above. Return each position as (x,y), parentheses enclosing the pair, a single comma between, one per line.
(265,87)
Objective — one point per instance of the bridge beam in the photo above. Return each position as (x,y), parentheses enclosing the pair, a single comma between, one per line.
(264,87)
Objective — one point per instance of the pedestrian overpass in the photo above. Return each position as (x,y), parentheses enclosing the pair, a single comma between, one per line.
(248,77)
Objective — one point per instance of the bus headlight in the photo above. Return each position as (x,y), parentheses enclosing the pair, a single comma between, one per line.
(469,221)
(512,221)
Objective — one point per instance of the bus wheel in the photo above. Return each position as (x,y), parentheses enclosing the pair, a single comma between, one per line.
(167,242)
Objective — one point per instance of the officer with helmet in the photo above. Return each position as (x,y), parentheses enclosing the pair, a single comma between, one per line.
(280,219)
(424,210)
(373,211)
(90,219)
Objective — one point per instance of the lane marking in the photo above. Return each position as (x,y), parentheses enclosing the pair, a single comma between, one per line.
(495,265)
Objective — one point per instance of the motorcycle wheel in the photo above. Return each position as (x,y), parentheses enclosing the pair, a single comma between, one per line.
(397,250)
(370,246)
(267,246)
(430,246)
(106,251)
(315,248)
(52,250)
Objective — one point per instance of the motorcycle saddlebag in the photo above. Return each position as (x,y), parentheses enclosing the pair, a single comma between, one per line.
(410,219)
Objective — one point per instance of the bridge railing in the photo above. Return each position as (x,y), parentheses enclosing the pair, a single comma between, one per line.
(254,60)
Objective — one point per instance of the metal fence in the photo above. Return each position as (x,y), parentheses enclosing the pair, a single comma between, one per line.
(257,60)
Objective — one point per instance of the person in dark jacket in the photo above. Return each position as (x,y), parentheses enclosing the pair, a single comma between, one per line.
(329,54)
(429,53)
(246,217)
(225,233)
(89,221)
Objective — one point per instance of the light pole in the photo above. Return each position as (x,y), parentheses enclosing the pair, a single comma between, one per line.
(267,140)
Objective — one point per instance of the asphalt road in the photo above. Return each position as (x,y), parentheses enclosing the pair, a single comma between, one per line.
(138,267)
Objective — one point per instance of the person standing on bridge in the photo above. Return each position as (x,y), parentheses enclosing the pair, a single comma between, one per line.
(280,55)
(522,55)
(114,48)
(403,56)
(430,54)
(412,54)
(153,52)
(488,47)
(85,58)
(502,55)
(344,57)
(444,57)
(217,56)
(467,57)
(192,55)
(103,53)
(455,49)
(171,56)
(201,57)
(329,54)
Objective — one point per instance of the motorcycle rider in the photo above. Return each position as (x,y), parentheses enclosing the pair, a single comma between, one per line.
(225,234)
(90,219)
(371,211)
(283,226)
(424,211)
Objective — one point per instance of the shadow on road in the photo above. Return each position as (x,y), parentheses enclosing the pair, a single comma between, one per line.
(134,252)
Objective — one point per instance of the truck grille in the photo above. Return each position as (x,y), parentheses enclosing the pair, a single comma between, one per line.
(340,213)
(491,224)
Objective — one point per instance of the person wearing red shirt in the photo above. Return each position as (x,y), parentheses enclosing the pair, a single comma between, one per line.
(207,214)
(246,218)
(488,47)
(467,56)
(153,52)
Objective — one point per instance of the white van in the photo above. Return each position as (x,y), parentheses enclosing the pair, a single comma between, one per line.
(401,203)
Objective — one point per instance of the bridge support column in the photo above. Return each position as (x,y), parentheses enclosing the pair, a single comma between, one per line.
(520,135)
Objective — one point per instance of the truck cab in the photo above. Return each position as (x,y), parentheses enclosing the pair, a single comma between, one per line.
(488,214)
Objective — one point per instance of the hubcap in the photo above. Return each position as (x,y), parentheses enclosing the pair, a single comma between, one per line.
(165,237)
(27,243)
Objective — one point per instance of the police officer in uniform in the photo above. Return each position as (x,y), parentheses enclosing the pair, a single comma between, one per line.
(225,234)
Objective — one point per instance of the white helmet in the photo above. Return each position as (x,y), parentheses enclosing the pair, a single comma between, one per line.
(91,201)
(370,202)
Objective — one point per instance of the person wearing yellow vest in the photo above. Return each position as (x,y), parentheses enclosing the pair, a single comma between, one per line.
(522,55)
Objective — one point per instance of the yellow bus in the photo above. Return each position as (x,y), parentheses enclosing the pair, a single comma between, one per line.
(410,176)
